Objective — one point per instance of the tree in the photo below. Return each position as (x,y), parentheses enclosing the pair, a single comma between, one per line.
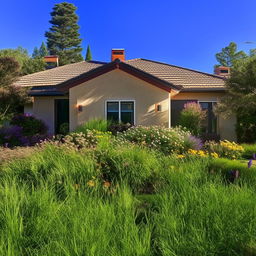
(63,38)
(43,51)
(88,56)
(241,99)
(35,53)
(229,55)
(27,64)
(9,71)
(12,98)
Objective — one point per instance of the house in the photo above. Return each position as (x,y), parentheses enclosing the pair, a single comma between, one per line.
(138,91)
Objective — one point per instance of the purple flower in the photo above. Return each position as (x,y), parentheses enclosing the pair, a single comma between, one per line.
(250,163)
(195,142)
(254,156)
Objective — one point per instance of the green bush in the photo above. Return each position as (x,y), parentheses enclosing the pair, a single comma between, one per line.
(192,117)
(94,124)
(249,150)
(166,140)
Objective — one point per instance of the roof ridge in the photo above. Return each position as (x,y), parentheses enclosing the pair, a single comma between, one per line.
(134,59)
(193,70)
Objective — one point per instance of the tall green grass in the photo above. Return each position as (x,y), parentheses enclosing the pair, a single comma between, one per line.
(94,124)
(161,205)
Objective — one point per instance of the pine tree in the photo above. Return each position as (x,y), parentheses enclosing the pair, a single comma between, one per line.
(88,56)
(35,53)
(43,51)
(63,38)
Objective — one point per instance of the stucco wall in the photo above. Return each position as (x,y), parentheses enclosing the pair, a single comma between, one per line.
(43,108)
(226,127)
(118,85)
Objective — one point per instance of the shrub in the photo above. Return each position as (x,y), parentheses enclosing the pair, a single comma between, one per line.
(166,140)
(191,117)
(225,149)
(115,128)
(64,128)
(29,124)
(94,124)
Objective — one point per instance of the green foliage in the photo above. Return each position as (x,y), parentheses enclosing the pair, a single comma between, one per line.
(57,198)
(64,128)
(27,65)
(166,140)
(224,166)
(229,56)
(63,38)
(94,124)
(88,56)
(225,148)
(43,51)
(249,150)
(241,99)
(9,71)
(191,117)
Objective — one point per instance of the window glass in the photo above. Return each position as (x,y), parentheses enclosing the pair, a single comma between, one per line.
(113,111)
(209,124)
(127,112)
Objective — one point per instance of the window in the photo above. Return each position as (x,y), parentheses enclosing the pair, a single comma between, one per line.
(210,122)
(120,111)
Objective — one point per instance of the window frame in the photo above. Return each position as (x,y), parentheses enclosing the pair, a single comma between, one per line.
(217,117)
(119,109)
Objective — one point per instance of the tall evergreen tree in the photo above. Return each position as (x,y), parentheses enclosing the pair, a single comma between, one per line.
(43,51)
(88,56)
(63,38)
(35,53)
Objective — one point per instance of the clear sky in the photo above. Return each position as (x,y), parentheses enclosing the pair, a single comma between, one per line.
(187,33)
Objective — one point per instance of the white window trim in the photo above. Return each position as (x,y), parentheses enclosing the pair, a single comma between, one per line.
(119,106)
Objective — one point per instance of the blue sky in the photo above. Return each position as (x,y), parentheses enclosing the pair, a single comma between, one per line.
(181,32)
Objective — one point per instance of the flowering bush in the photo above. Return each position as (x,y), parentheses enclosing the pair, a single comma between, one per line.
(29,124)
(191,117)
(12,136)
(166,140)
(25,130)
(225,149)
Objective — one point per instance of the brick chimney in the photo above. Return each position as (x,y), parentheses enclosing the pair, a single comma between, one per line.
(117,54)
(222,71)
(51,61)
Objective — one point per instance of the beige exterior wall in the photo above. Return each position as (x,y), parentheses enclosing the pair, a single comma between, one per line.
(43,108)
(118,85)
(226,127)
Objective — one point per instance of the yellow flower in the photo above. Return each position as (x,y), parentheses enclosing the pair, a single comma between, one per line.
(106,184)
(91,183)
(214,155)
(180,156)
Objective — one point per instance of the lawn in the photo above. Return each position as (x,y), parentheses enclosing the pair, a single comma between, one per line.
(98,194)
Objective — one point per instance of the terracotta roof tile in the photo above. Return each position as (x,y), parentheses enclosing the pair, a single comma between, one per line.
(179,76)
(57,75)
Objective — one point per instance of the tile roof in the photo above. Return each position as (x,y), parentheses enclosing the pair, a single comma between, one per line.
(178,76)
(54,76)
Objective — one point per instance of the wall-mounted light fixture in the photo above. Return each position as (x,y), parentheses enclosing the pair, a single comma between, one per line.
(79,108)
(158,108)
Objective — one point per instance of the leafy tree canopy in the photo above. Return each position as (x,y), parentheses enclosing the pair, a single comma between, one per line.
(229,55)
(63,38)
(27,64)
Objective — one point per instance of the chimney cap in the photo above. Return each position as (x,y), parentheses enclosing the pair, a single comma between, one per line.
(118,53)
